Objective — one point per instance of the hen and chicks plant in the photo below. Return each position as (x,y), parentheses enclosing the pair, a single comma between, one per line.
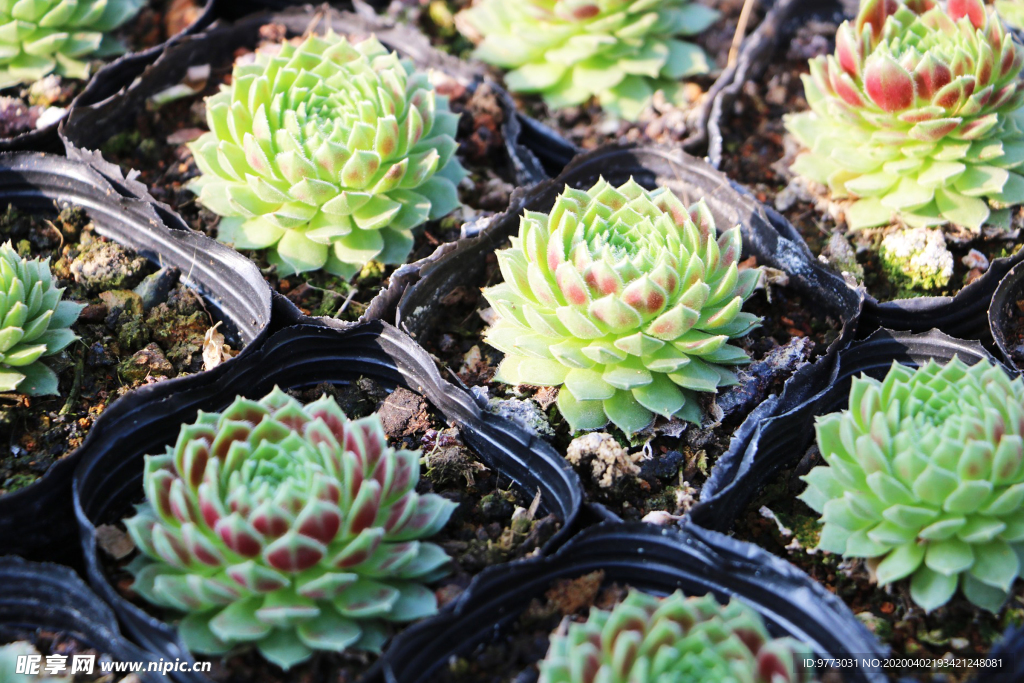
(925,478)
(917,116)
(34,323)
(327,154)
(627,300)
(40,37)
(569,51)
(287,527)
(675,638)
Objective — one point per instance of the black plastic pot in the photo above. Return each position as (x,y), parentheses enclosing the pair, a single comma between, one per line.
(1010,650)
(767,236)
(965,315)
(755,54)
(782,439)
(109,479)
(37,520)
(49,597)
(1004,314)
(654,559)
(102,87)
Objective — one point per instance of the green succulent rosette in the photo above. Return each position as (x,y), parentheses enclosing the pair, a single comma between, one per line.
(289,528)
(925,477)
(328,155)
(673,639)
(40,37)
(34,323)
(627,300)
(568,51)
(917,116)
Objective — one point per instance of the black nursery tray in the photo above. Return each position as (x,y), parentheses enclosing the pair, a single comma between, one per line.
(103,87)
(108,479)
(91,127)
(35,521)
(48,599)
(653,559)
(781,440)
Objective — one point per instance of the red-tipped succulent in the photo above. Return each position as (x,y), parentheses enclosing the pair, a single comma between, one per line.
(287,527)
(673,640)
(917,116)
(625,298)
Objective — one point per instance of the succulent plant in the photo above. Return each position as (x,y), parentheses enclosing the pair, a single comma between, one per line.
(620,51)
(679,639)
(327,154)
(40,37)
(625,298)
(917,115)
(925,476)
(35,323)
(286,527)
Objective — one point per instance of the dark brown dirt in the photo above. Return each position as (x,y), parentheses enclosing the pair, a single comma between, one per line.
(153,25)
(957,627)
(485,529)
(757,152)
(121,345)
(156,148)
(673,468)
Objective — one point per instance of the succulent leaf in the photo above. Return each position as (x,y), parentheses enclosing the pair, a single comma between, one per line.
(675,638)
(925,473)
(40,37)
(328,154)
(619,51)
(624,297)
(918,117)
(34,323)
(287,527)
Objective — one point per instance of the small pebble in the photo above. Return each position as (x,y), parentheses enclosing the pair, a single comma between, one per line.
(154,288)
(975,260)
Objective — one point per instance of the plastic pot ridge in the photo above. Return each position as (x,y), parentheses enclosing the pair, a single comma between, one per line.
(51,597)
(37,520)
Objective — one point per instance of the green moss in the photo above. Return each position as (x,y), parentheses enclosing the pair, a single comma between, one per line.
(122,143)
(916,261)
(18,481)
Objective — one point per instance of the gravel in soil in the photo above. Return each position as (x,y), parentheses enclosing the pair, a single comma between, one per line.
(140,325)
(23,108)
(787,527)
(757,152)
(156,147)
(662,469)
(494,523)
(47,642)
(587,126)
